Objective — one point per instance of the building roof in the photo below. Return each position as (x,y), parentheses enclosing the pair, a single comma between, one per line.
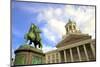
(52,51)
(72,38)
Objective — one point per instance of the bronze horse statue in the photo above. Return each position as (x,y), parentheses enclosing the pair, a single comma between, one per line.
(33,36)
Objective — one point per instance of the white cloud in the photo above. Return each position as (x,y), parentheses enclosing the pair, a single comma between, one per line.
(40,17)
(49,13)
(55,17)
(90,27)
(58,12)
(58,26)
(48,48)
(49,35)
(52,16)
(84,17)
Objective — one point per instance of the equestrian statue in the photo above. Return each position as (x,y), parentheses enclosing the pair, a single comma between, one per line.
(33,36)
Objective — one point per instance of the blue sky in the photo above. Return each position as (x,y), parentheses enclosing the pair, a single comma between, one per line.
(51,19)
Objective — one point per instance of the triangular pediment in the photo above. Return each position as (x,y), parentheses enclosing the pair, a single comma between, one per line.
(72,38)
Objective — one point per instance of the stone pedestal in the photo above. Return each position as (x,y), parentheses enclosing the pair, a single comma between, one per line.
(26,55)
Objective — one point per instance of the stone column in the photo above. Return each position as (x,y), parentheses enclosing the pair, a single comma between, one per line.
(65,56)
(30,58)
(50,58)
(71,55)
(55,58)
(93,49)
(86,53)
(46,59)
(78,53)
(59,56)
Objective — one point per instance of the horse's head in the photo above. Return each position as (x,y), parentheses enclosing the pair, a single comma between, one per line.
(35,28)
(32,28)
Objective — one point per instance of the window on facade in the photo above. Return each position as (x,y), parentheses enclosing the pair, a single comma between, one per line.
(53,61)
(57,60)
(19,59)
(62,56)
(53,58)
(48,59)
(89,51)
(75,54)
(70,27)
(56,55)
(36,60)
(82,52)
(67,29)
(68,57)
(74,26)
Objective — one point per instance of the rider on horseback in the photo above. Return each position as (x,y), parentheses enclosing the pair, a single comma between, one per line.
(34,36)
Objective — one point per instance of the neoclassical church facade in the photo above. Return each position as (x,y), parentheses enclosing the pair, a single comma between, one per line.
(74,47)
